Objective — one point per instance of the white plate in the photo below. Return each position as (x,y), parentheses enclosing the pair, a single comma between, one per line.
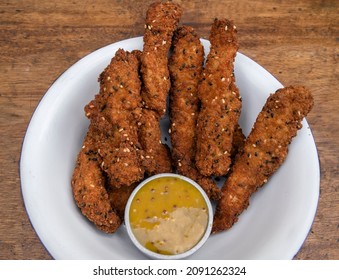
(273,227)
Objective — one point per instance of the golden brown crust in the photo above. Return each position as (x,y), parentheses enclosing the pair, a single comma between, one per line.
(161,21)
(118,198)
(88,186)
(114,113)
(220,102)
(264,151)
(186,65)
(156,158)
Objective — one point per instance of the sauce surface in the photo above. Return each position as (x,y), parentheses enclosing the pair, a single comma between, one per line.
(168,215)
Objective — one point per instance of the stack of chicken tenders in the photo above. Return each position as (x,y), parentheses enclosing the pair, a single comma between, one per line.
(123,143)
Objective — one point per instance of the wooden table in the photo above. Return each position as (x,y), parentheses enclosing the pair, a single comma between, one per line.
(297,41)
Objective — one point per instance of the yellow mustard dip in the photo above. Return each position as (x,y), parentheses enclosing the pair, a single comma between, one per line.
(168,215)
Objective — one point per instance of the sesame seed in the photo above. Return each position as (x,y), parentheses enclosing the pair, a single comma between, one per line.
(223,101)
(148,157)
(88,114)
(254,145)
(108,78)
(163,42)
(234,27)
(265,181)
(226,27)
(83,146)
(121,129)
(223,79)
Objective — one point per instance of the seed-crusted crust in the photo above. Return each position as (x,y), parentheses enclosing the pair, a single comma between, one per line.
(114,113)
(220,102)
(264,151)
(186,66)
(88,186)
(156,158)
(162,19)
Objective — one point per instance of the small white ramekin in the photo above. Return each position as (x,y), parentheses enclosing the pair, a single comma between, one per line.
(154,255)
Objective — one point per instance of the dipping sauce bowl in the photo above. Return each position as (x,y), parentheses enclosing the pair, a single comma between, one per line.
(168,216)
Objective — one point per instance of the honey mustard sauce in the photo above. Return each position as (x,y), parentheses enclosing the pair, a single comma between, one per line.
(168,216)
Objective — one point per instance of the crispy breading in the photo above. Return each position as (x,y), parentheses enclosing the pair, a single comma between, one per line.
(88,186)
(156,158)
(115,112)
(162,19)
(237,142)
(220,102)
(186,65)
(264,151)
(118,198)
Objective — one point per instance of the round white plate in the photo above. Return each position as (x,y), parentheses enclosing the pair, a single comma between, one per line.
(273,227)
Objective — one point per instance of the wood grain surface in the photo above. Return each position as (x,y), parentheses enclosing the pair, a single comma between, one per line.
(297,41)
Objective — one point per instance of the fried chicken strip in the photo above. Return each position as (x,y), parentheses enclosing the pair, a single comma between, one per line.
(185,66)
(115,112)
(264,151)
(220,102)
(88,186)
(162,19)
(156,158)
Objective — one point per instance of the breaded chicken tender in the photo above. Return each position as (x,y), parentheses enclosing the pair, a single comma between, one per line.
(156,158)
(114,113)
(186,65)
(263,153)
(220,102)
(162,19)
(88,186)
